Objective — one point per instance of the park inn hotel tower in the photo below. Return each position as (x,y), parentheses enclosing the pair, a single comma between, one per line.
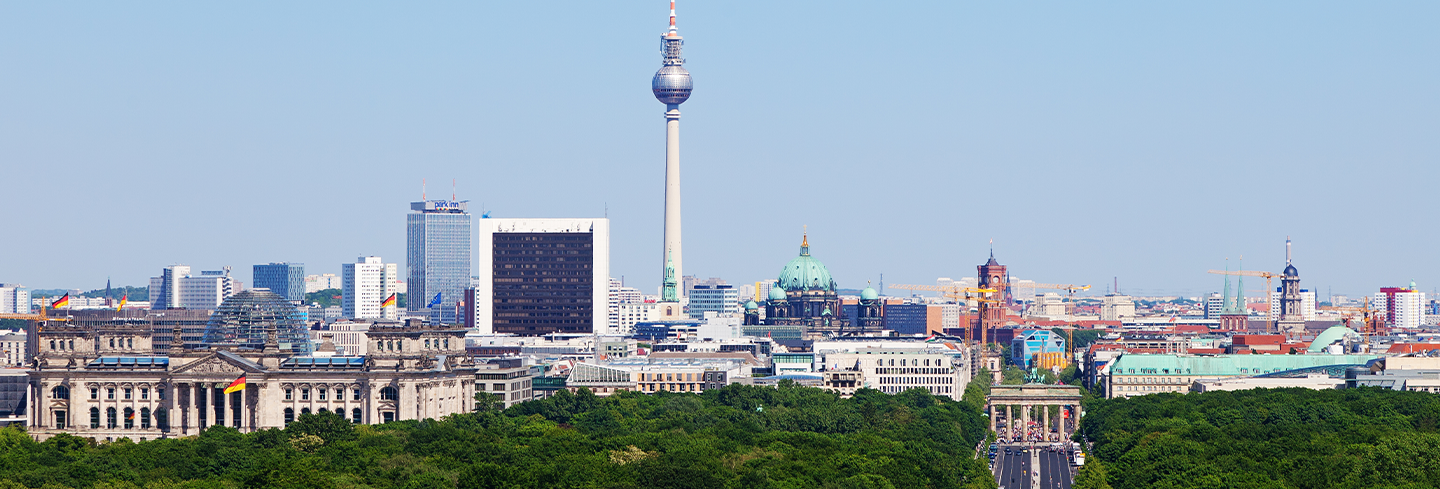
(437,261)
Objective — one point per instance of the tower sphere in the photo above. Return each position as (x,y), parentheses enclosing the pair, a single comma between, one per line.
(671,85)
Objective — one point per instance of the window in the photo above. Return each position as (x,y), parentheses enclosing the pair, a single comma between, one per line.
(322,393)
(289,416)
(71,346)
(339,394)
(323,411)
(112,343)
(447,343)
(304,411)
(94,418)
(130,343)
(52,344)
(94,393)
(357,394)
(499,387)
(110,417)
(400,345)
(160,393)
(110,393)
(128,392)
(355,416)
(144,393)
(427,343)
(145,418)
(289,394)
(389,393)
(304,394)
(60,392)
(60,417)
(162,418)
(388,416)
(129,418)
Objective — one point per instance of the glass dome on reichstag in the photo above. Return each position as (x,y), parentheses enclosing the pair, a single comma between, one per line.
(245,319)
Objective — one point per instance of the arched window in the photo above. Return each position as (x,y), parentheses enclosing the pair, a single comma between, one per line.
(389,394)
(94,418)
(52,344)
(390,345)
(110,416)
(355,416)
(304,411)
(130,343)
(112,343)
(289,416)
(162,419)
(72,345)
(129,418)
(60,392)
(427,343)
(145,418)
(400,345)
(447,343)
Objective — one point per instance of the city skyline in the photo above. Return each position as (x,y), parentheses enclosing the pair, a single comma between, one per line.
(1216,140)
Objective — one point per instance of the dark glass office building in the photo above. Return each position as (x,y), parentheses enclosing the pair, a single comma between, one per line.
(437,260)
(906,318)
(544,283)
(284,279)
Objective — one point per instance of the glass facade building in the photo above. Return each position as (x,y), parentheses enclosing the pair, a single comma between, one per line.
(437,259)
(544,283)
(284,279)
(246,319)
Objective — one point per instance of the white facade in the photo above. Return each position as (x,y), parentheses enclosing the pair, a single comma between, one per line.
(1117,308)
(1214,305)
(1409,308)
(316,283)
(721,299)
(599,269)
(1048,305)
(1308,309)
(206,291)
(14,299)
(366,284)
(165,289)
(12,348)
(895,370)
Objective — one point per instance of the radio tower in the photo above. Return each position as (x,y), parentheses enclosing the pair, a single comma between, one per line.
(672,87)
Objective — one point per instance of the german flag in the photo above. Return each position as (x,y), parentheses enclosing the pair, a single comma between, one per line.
(388,302)
(123,299)
(236,386)
(61,302)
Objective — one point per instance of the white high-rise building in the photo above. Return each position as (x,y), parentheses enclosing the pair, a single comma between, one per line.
(1117,308)
(1214,305)
(14,299)
(723,299)
(176,288)
(366,284)
(1401,308)
(206,291)
(1308,307)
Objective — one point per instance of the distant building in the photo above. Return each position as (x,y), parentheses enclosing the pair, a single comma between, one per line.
(176,288)
(1116,308)
(1214,305)
(14,299)
(365,285)
(1038,348)
(437,259)
(1401,307)
(721,299)
(285,279)
(12,349)
(316,283)
(543,276)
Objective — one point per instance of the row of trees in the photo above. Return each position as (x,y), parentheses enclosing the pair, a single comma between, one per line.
(1266,438)
(736,437)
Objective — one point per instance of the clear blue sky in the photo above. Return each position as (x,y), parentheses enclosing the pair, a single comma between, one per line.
(1144,140)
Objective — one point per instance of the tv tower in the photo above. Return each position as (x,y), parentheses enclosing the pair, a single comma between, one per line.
(672,87)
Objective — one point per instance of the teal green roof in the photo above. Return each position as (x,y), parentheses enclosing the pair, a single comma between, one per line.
(805,272)
(751,306)
(777,293)
(869,294)
(1225,365)
(1330,336)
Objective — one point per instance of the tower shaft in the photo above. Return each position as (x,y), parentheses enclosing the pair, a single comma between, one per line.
(671,253)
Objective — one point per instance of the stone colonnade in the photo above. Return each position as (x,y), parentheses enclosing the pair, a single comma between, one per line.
(1027,413)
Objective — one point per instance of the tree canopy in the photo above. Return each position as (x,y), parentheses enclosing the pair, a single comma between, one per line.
(1268,438)
(735,437)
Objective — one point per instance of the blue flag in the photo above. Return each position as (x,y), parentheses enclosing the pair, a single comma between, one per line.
(434,302)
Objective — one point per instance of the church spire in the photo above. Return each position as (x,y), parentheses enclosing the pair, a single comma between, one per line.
(668,291)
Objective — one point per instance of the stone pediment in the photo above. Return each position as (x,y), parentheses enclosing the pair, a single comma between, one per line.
(215,365)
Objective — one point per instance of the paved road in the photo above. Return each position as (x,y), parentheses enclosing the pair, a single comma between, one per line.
(1054,470)
(1015,471)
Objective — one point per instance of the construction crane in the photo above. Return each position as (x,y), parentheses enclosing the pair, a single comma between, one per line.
(1069,289)
(1373,323)
(958,292)
(1250,273)
(965,296)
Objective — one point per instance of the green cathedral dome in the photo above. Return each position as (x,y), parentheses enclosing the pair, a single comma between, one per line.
(805,272)
(777,293)
(869,294)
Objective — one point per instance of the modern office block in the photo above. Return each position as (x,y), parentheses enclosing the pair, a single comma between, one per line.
(437,259)
(541,276)
(284,279)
